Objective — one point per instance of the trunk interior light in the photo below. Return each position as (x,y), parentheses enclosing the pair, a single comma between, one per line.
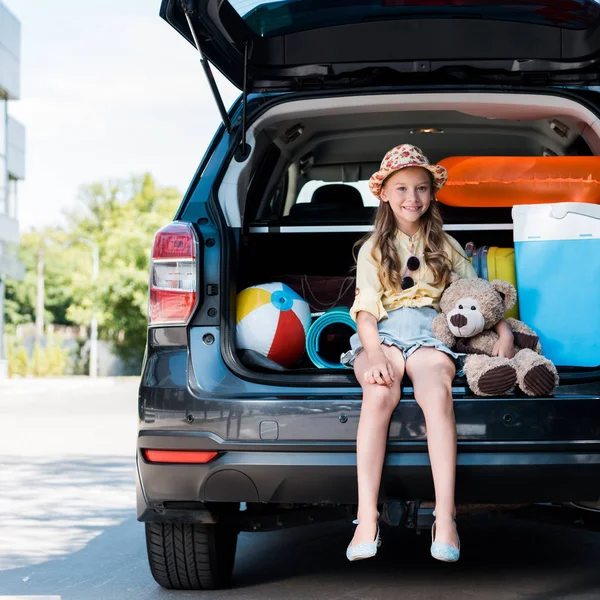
(427,130)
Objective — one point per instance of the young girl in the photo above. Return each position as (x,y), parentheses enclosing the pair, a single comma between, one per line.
(402,269)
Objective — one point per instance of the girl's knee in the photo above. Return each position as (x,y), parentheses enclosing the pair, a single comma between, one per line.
(435,400)
(443,370)
(428,365)
(380,398)
(438,385)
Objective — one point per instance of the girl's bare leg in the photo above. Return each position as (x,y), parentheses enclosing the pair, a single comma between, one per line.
(431,372)
(379,402)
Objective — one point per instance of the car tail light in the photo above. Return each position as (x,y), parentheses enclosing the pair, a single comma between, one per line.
(173,275)
(179,456)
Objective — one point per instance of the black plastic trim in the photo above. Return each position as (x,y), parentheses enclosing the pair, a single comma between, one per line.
(206,441)
(174,336)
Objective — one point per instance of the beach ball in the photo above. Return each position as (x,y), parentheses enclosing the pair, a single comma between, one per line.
(272,320)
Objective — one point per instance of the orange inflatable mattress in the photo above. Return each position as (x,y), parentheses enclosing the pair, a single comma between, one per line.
(503,181)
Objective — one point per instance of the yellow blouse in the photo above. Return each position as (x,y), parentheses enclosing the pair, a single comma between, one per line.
(373,298)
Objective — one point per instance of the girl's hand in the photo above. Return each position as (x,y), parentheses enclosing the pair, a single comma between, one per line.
(380,371)
(505,346)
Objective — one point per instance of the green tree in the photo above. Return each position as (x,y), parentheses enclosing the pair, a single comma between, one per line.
(59,263)
(122,219)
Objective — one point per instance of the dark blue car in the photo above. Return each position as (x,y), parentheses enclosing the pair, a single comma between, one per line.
(229,442)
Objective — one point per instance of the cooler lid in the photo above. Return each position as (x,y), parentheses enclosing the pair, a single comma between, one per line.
(560,221)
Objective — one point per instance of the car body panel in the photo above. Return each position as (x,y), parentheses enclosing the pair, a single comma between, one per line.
(330,478)
(291,44)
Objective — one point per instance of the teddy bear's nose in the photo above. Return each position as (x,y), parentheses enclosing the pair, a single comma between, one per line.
(458,320)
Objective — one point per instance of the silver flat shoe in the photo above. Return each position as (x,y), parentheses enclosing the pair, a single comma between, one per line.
(365,549)
(443,552)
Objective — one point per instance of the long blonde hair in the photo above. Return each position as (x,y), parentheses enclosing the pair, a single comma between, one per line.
(384,250)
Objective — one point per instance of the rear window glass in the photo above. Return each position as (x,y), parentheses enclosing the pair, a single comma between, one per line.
(277,17)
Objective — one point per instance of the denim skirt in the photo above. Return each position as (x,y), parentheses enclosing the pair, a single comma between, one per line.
(408,329)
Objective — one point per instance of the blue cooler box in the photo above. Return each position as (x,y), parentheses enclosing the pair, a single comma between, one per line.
(557,255)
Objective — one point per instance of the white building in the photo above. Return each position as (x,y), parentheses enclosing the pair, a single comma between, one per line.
(12,159)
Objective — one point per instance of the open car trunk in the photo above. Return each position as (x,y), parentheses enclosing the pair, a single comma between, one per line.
(320,268)
(294,205)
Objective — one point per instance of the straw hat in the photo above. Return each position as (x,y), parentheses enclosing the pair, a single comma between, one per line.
(401,157)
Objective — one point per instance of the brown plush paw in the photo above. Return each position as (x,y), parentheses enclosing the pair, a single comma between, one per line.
(539,381)
(524,340)
(498,380)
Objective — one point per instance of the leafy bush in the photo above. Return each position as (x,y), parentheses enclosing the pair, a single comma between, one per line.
(56,359)
(18,361)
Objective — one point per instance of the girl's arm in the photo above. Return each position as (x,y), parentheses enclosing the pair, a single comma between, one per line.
(379,369)
(369,290)
(367,310)
(505,345)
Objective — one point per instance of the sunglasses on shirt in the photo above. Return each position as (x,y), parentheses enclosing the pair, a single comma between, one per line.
(412,264)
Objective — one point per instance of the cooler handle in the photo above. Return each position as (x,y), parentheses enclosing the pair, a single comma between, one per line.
(559,211)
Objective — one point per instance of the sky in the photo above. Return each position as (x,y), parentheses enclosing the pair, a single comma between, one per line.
(108,90)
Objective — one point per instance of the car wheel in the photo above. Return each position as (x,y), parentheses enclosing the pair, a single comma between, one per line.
(185,556)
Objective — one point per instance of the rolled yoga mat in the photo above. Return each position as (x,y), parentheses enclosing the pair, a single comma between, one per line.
(329,337)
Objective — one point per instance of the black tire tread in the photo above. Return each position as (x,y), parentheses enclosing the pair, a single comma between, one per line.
(185,556)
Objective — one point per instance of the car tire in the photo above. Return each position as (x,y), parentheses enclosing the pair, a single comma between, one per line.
(186,556)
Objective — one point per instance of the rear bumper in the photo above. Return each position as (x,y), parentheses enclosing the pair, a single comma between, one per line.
(245,473)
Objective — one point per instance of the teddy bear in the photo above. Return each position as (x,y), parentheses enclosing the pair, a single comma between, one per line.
(469,310)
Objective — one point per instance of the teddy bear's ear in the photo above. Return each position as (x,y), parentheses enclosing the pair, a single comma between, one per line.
(507,291)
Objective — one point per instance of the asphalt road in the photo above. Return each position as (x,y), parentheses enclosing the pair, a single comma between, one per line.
(68,528)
